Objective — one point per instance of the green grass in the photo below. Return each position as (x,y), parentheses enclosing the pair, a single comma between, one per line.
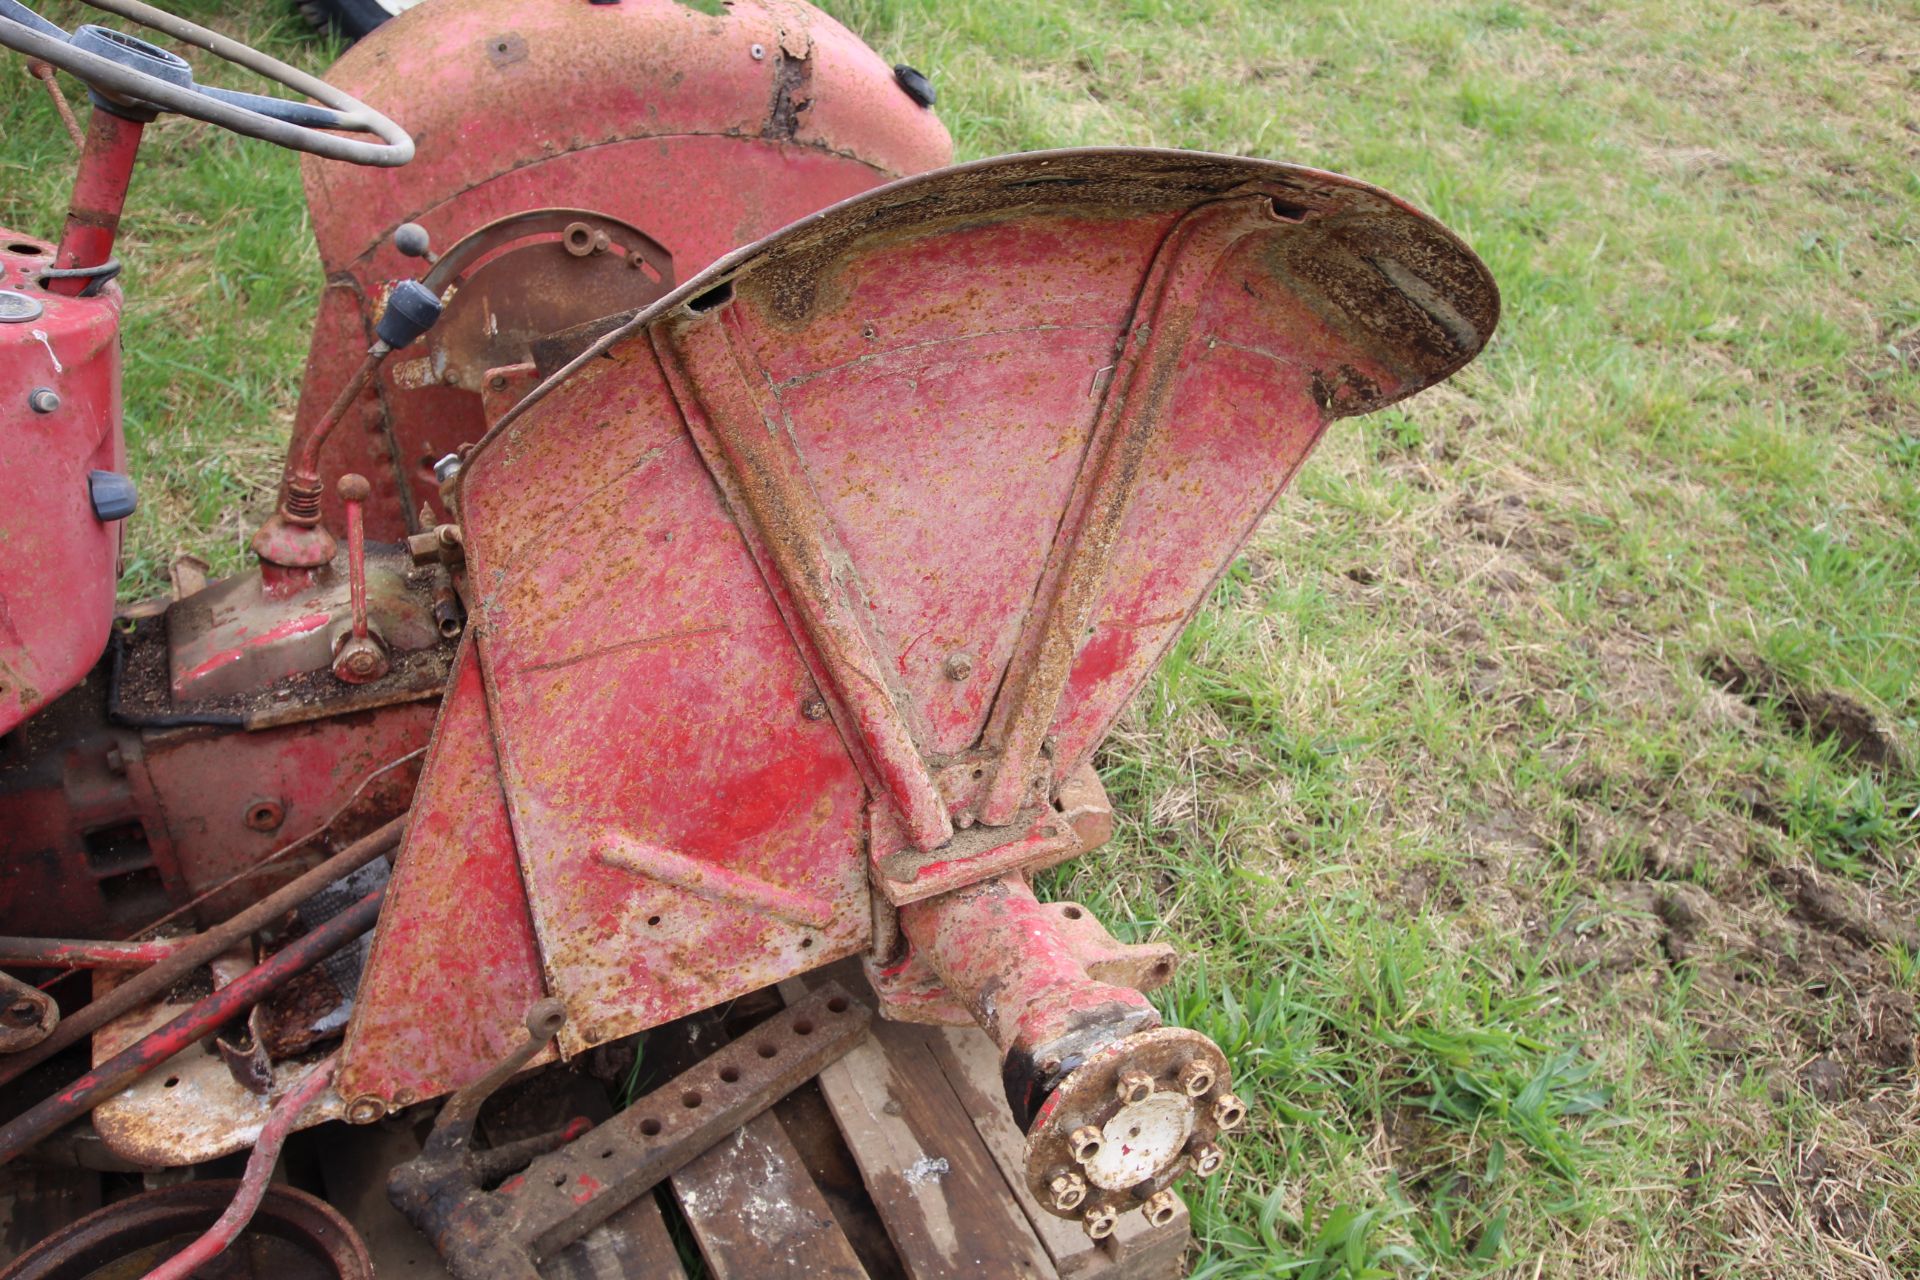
(1487,890)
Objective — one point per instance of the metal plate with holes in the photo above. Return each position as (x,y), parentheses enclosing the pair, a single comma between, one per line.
(562,1196)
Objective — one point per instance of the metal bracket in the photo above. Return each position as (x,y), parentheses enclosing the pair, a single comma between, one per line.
(506,1233)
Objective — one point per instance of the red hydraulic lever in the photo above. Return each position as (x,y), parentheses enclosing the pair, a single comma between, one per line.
(360,656)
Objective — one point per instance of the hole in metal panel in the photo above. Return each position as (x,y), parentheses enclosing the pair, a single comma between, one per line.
(718,296)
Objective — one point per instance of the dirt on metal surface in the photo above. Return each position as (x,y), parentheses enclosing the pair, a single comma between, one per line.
(192,1108)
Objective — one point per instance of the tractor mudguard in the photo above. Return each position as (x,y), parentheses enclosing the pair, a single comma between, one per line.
(800,596)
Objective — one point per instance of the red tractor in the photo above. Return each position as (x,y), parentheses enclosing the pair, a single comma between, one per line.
(647,619)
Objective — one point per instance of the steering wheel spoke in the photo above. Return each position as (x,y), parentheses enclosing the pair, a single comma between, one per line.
(125,69)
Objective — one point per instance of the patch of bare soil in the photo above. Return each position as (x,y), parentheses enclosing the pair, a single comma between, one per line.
(1820,713)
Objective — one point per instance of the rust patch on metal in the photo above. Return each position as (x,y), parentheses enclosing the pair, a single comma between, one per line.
(506,49)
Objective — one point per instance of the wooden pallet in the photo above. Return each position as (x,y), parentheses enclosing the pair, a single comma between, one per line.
(900,1161)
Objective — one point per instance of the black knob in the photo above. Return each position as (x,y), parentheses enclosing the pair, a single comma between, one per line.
(411,311)
(411,239)
(918,87)
(112,495)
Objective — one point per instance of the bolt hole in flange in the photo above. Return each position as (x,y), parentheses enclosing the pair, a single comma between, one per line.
(730,1075)
(718,296)
(650,1127)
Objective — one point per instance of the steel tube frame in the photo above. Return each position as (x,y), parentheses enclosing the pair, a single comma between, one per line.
(204,947)
(196,1024)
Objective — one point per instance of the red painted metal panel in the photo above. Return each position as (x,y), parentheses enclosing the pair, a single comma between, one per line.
(58,563)
(647,111)
(208,782)
(682,822)
(675,617)
(952,577)
(453,967)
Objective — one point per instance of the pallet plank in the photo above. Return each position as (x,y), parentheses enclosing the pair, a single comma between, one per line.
(755,1212)
(939,1191)
(631,1245)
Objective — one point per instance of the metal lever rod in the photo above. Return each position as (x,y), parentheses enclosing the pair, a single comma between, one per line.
(360,655)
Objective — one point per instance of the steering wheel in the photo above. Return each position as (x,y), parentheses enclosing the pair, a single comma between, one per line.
(132,73)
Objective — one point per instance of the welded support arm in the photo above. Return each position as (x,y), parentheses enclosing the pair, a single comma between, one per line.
(1129,419)
(739,431)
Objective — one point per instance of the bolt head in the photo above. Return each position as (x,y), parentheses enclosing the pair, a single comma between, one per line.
(43,400)
(1134,1086)
(1067,1191)
(814,708)
(360,660)
(365,1109)
(1196,1078)
(1207,1159)
(959,666)
(1161,1207)
(1099,1221)
(1083,1144)
(1229,1113)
